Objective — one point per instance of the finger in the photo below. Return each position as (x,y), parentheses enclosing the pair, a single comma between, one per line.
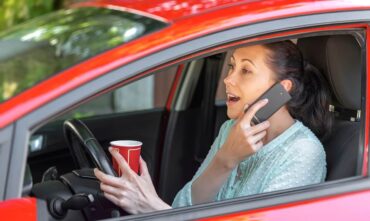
(117,192)
(108,179)
(143,168)
(122,164)
(257,146)
(124,203)
(252,130)
(257,137)
(253,110)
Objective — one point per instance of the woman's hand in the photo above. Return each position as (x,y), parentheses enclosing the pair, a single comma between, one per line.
(133,193)
(244,138)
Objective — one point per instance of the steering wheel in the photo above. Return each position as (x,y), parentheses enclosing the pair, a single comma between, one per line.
(80,138)
(76,195)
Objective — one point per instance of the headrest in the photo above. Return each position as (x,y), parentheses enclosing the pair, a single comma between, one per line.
(339,58)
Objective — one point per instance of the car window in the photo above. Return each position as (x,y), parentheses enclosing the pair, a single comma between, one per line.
(144,94)
(148,93)
(37,49)
(345,106)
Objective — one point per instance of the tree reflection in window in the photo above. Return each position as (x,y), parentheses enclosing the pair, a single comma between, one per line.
(33,51)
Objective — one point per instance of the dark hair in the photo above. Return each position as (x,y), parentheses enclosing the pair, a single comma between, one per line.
(310,92)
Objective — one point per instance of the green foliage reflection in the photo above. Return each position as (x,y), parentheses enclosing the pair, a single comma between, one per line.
(15,11)
(32,51)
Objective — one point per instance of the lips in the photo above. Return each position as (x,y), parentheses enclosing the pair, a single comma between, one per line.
(232,98)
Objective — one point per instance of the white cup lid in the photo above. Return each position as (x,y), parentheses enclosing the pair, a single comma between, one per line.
(126,143)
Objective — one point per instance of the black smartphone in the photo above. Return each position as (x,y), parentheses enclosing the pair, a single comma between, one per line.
(277,96)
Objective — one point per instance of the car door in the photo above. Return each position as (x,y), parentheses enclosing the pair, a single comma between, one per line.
(328,193)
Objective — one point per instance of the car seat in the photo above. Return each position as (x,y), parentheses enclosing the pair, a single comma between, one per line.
(338,57)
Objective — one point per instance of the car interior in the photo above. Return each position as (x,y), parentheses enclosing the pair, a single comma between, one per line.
(177,141)
(343,71)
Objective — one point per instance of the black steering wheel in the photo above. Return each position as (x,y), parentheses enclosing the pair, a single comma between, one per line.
(80,138)
(76,195)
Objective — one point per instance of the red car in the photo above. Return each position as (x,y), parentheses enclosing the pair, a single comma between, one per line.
(152,71)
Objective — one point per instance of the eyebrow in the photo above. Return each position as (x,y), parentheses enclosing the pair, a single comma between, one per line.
(245,59)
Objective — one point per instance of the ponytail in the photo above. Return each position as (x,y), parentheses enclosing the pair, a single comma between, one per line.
(310,93)
(310,104)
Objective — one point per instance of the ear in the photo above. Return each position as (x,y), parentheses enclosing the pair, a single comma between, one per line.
(287,84)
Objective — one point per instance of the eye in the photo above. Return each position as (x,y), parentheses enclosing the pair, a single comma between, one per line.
(246,71)
(231,66)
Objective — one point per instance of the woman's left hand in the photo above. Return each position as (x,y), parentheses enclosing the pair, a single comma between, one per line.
(133,193)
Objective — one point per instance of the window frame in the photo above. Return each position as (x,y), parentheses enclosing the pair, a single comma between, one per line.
(202,46)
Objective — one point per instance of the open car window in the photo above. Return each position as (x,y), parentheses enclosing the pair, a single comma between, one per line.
(346,99)
(146,93)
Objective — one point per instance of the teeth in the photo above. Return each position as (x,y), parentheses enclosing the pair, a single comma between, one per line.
(232,96)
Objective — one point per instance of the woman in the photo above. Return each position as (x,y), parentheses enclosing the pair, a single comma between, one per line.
(248,159)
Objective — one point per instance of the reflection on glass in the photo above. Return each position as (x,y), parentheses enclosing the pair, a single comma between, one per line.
(36,142)
(33,51)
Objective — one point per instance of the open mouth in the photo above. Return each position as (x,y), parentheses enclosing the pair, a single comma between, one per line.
(232,98)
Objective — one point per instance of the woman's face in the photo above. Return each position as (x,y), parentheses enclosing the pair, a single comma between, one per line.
(248,78)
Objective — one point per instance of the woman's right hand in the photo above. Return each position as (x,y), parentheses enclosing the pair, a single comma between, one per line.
(244,138)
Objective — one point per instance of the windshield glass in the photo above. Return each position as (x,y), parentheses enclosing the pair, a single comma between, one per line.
(44,46)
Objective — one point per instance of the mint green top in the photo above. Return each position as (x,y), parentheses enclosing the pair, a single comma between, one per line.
(294,158)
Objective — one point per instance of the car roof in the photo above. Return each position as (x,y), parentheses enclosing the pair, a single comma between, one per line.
(209,18)
(172,10)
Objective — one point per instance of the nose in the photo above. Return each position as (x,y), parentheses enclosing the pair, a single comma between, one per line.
(229,79)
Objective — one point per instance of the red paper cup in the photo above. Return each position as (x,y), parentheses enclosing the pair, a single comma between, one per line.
(130,150)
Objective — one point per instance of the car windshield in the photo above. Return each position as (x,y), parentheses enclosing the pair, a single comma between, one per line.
(44,46)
